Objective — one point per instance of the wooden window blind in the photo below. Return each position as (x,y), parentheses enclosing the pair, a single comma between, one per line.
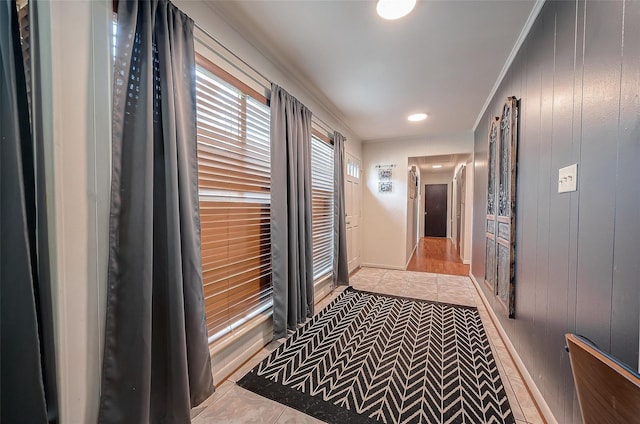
(24,25)
(234,176)
(322,207)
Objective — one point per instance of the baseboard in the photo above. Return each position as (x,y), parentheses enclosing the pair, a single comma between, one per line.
(467,261)
(231,352)
(356,269)
(322,288)
(411,256)
(370,265)
(541,403)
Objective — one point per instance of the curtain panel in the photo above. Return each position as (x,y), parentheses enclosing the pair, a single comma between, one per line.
(291,242)
(156,358)
(27,362)
(340,261)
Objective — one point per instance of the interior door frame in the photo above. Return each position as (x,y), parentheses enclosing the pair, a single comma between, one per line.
(459,208)
(353,221)
(463,212)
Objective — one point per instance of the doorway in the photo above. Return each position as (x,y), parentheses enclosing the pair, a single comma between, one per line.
(435,210)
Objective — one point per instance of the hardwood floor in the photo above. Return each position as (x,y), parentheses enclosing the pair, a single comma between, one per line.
(437,255)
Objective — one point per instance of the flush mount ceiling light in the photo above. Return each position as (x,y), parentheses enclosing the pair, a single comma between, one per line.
(394,9)
(436,166)
(416,117)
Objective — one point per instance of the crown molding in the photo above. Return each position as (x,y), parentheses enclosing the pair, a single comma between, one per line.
(537,7)
(243,26)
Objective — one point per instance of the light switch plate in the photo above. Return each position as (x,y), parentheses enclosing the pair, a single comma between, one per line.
(568,178)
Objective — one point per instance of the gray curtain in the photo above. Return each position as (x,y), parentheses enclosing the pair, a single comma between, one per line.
(340,261)
(291,244)
(156,358)
(45,313)
(27,362)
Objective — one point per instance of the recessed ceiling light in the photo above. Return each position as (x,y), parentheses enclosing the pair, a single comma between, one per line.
(417,117)
(394,9)
(436,166)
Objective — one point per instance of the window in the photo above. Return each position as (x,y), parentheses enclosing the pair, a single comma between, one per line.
(322,207)
(234,180)
(114,35)
(353,169)
(24,26)
(235,202)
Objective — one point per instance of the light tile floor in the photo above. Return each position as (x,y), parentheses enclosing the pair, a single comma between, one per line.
(233,404)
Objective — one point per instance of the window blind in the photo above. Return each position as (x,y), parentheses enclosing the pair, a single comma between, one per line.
(322,207)
(24,25)
(235,203)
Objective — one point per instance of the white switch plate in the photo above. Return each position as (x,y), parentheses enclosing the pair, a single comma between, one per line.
(568,178)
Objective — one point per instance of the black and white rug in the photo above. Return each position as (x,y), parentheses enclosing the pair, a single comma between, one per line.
(370,358)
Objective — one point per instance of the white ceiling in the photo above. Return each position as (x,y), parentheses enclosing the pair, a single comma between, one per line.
(442,59)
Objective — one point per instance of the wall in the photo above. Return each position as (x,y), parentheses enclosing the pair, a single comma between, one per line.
(384,215)
(466,215)
(76,111)
(577,263)
(384,235)
(412,230)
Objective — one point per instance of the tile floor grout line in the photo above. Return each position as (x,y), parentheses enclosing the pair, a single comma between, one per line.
(509,377)
(507,381)
(454,289)
(491,317)
(281,413)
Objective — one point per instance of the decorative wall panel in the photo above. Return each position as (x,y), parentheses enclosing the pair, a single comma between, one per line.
(501,203)
(490,259)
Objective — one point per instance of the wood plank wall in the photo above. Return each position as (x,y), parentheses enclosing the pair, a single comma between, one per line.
(578,78)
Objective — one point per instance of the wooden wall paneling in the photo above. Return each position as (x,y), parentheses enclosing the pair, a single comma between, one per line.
(597,181)
(572,408)
(560,205)
(545,176)
(495,110)
(527,194)
(511,87)
(626,266)
(576,269)
(518,88)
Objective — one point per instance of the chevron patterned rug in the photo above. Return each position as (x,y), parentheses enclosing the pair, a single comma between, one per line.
(370,358)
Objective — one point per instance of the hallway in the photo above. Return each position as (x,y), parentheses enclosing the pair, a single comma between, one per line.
(233,404)
(437,255)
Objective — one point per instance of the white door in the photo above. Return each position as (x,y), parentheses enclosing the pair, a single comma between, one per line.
(352,195)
